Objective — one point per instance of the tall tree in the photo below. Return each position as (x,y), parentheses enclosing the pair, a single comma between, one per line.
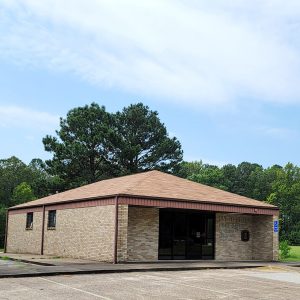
(93,144)
(285,193)
(186,169)
(43,183)
(143,142)
(12,172)
(246,180)
(229,177)
(210,175)
(81,152)
(277,185)
(13,175)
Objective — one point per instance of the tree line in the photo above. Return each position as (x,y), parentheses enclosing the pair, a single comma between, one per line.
(92,144)
(276,185)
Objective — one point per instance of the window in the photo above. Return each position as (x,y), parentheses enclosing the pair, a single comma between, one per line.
(51,219)
(245,235)
(29,220)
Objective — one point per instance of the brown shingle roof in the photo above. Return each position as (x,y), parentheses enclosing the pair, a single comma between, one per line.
(152,184)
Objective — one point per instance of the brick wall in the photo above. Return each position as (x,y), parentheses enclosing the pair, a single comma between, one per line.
(20,240)
(265,240)
(228,237)
(263,243)
(89,233)
(143,226)
(82,233)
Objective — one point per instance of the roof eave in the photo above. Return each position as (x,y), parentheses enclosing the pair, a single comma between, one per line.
(272,207)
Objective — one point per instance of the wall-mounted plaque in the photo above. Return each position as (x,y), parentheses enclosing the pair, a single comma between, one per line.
(245,235)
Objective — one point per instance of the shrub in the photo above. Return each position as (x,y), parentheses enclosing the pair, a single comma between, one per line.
(285,249)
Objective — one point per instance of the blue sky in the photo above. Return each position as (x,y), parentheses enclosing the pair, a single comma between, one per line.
(223,75)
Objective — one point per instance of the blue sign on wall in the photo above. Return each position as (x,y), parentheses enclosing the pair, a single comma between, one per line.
(276,226)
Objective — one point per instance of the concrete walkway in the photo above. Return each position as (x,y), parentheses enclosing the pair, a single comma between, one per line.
(26,265)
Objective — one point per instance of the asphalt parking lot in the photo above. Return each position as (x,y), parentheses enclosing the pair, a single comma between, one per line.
(260,283)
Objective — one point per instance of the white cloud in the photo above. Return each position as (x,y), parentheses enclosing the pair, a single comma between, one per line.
(26,118)
(191,52)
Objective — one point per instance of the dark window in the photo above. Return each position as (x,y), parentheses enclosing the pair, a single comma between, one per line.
(29,220)
(245,235)
(51,219)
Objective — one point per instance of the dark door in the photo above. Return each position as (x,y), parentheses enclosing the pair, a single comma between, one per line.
(196,236)
(165,236)
(186,235)
(179,236)
(209,240)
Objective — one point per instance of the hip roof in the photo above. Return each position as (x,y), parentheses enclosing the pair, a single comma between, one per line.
(151,184)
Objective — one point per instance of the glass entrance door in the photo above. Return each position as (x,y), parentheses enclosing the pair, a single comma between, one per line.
(186,235)
(196,236)
(179,236)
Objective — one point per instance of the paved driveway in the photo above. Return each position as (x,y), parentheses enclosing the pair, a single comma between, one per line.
(263,283)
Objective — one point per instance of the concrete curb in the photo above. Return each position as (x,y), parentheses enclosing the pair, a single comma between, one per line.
(102,271)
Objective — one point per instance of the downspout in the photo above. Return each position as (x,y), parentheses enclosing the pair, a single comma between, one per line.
(115,258)
(43,231)
(6,232)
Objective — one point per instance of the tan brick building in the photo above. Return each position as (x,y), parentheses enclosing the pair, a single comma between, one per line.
(145,217)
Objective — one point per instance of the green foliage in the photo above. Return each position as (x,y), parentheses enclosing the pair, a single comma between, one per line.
(142,142)
(294,254)
(12,172)
(284,249)
(22,193)
(276,185)
(20,182)
(93,144)
(286,194)
(2,224)
(209,175)
(43,183)
(81,152)
(186,169)
(5,258)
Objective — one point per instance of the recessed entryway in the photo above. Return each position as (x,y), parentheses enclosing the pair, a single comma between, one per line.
(186,235)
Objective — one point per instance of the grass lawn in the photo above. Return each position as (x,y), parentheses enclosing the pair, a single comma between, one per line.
(295,254)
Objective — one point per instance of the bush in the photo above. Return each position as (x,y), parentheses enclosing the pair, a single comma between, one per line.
(285,249)
(294,235)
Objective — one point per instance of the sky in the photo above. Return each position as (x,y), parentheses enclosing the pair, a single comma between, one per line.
(224,76)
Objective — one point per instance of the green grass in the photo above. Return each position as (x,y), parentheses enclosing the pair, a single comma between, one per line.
(295,254)
(4,258)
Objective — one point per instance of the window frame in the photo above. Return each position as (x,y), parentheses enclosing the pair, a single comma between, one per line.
(53,221)
(29,225)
